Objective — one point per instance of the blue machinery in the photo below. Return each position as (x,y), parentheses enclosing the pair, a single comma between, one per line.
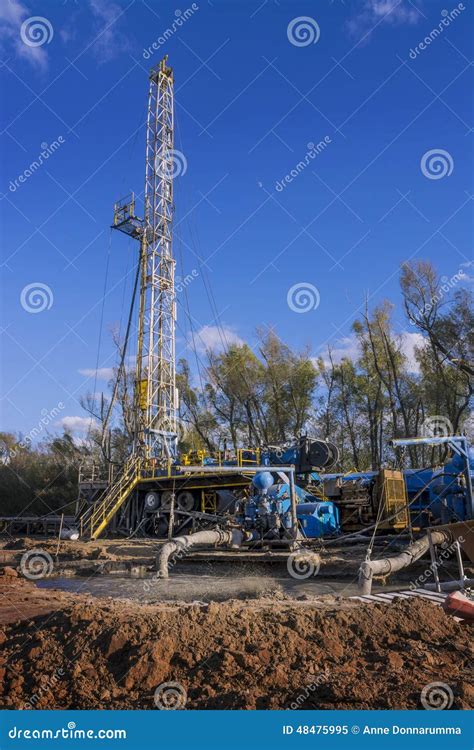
(432,495)
(450,498)
(268,510)
(277,501)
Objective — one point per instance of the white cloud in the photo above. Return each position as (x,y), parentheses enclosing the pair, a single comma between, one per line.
(12,15)
(103,373)
(77,424)
(216,338)
(109,41)
(409,341)
(466,271)
(375,12)
(348,348)
(345,348)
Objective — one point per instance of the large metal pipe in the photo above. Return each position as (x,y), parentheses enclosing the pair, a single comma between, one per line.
(211,538)
(217,469)
(451,585)
(388,565)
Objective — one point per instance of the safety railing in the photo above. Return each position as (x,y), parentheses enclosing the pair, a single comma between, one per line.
(115,497)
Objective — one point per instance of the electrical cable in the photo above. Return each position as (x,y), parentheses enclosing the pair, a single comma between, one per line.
(122,358)
(99,342)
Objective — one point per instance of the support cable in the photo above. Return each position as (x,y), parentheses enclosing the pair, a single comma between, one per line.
(121,367)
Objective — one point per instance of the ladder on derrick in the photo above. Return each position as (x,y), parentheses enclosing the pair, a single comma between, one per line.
(102,513)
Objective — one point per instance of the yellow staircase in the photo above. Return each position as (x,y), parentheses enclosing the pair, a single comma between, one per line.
(114,498)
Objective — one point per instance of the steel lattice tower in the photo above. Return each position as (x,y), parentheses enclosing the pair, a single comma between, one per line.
(156,398)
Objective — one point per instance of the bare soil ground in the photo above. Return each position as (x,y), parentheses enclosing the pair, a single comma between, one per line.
(61,650)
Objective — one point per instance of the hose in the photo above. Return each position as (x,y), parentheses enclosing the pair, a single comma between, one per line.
(388,565)
(183,544)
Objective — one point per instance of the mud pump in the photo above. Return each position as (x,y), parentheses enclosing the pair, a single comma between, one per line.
(273,513)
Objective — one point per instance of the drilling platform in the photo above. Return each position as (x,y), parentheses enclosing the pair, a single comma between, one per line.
(269,496)
(157,491)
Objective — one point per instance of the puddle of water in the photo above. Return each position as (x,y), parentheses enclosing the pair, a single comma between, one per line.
(188,587)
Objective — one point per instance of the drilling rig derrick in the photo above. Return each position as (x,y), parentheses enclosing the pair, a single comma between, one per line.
(155,396)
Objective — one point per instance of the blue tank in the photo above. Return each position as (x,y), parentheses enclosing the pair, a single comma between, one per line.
(263,480)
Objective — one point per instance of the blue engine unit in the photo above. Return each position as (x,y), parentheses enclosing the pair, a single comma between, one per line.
(441,494)
(268,510)
(318,519)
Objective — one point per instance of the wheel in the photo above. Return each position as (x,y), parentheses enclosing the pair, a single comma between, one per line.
(152,500)
(185,501)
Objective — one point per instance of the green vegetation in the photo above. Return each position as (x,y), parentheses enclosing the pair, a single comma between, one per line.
(270,393)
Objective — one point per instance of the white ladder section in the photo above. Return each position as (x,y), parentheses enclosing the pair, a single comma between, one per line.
(388,597)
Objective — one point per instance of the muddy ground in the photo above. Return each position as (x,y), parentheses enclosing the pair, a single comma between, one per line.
(63,650)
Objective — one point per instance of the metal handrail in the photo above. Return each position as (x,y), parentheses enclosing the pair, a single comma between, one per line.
(131,471)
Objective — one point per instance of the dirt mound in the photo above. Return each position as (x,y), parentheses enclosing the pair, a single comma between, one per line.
(260,655)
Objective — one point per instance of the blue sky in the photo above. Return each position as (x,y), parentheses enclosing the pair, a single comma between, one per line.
(254,86)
